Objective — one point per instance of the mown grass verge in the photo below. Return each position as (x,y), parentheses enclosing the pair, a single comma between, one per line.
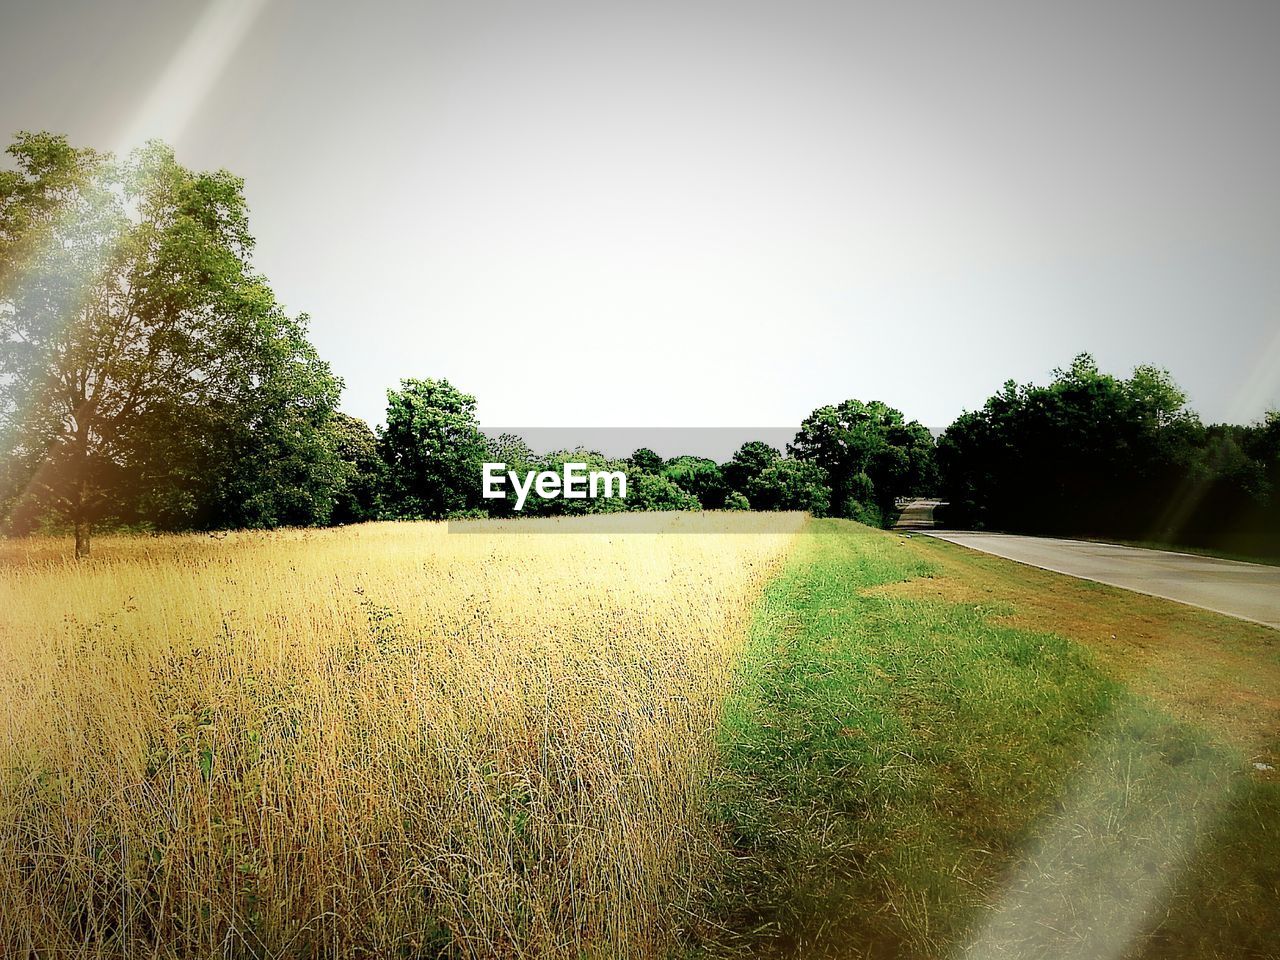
(904,777)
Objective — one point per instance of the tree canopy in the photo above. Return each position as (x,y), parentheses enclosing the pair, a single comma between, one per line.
(869,453)
(146,370)
(360,470)
(748,462)
(699,476)
(433,450)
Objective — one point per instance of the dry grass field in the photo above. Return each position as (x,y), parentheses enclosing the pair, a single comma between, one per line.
(386,741)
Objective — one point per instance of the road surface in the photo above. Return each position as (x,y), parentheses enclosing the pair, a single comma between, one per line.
(917,515)
(1250,591)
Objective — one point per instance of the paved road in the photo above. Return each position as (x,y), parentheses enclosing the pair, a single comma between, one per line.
(1250,591)
(917,515)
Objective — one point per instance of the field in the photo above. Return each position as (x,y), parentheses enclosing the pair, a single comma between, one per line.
(816,740)
(380,741)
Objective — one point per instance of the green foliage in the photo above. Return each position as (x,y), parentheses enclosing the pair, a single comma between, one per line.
(358,496)
(1096,455)
(516,453)
(736,501)
(853,440)
(433,450)
(261,456)
(147,373)
(864,511)
(563,506)
(645,460)
(700,477)
(511,449)
(646,492)
(791,484)
(750,460)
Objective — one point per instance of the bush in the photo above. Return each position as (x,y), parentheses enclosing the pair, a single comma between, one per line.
(862,512)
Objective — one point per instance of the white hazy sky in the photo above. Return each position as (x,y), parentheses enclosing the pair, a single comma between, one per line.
(704,214)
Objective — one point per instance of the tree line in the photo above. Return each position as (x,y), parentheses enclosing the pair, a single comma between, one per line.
(1092,454)
(849,460)
(150,379)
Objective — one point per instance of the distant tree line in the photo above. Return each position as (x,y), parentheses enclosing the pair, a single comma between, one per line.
(851,460)
(150,379)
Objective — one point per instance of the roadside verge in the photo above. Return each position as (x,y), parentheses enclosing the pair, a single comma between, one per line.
(908,776)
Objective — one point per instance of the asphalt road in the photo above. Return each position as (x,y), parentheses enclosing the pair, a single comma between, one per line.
(1250,591)
(917,515)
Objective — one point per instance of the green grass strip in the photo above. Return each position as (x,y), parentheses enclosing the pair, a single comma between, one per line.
(904,778)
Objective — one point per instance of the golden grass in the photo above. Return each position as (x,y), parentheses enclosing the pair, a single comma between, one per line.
(378,741)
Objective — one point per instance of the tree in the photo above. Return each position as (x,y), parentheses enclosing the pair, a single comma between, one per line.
(645,460)
(511,449)
(647,492)
(700,477)
(260,456)
(791,484)
(750,460)
(360,470)
(134,333)
(854,439)
(514,451)
(736,501)
(1157,397)
(433,450)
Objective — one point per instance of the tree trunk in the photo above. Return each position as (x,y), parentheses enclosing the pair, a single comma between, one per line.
(82,539)
(79,506)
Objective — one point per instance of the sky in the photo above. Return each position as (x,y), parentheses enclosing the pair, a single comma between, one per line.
(713,214)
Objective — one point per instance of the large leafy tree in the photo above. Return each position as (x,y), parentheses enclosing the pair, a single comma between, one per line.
(264,454)
(141,353)
(433,450)
(870,453)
